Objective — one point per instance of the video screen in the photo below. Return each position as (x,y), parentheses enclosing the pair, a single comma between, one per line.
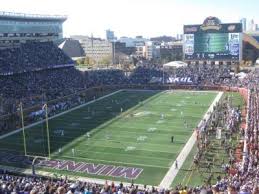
(212,46)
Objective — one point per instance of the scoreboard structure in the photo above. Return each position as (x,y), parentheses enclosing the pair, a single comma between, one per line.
(213,41)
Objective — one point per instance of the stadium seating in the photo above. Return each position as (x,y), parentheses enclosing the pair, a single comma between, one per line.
(40,69)
(31,57)
(199,74)
(143,75)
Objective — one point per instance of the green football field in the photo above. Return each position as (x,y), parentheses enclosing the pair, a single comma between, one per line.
(126,130)
(189,174)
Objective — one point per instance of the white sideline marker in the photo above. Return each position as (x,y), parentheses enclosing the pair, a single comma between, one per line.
(57,115)
(172,172)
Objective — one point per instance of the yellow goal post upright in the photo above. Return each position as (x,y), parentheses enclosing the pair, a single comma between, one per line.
(45,108)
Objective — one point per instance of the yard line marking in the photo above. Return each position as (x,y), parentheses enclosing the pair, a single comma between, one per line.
(115,162)
(191,91)
(134,142)
(77,140)
(138,107)
(57,115)
(116,132)
(81,152)
(137,149)
(158,145)
(172,172)
(157,131)
(142,90)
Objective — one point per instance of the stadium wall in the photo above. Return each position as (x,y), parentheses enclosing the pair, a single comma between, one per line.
(96,92)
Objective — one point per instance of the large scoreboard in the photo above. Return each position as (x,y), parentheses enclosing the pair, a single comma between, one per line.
(213,41)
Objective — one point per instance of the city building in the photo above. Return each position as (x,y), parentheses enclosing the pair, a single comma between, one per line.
(96,48)
(172,51)
(151,50)
(140,51)
(148,50)
(243,22)
(163,39)
(120,47)
(110,35)
(120,51)
(252,26)
(133,42)
(179,37)
(16,28)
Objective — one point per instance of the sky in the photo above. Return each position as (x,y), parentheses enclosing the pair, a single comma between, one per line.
(135,17)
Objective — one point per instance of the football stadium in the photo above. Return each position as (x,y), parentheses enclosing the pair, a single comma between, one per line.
(193,129)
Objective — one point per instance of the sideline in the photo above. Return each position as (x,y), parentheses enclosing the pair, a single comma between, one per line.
(57,115)
(72,177)
(172,172)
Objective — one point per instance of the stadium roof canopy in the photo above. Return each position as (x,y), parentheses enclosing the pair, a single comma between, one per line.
(175,64)
(31,17)
(252,38)
(72,48)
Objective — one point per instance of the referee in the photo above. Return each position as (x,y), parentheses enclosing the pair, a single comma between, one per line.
(172,139)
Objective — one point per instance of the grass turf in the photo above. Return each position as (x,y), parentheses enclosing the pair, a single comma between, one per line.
(188,175)
(130,128)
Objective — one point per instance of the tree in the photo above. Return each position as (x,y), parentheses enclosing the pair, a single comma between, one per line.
(89,61)
(80,61)
(123,59)
(107,60)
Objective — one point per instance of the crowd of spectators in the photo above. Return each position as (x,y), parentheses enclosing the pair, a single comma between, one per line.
(202,74)
(251,80)
(248,171)
(17,184)
(143,75)
(35,73)
(222,124)
(32,56)
(51,84)
(36,87)
(243,175)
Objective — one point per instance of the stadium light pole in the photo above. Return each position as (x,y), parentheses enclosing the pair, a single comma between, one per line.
(23,130)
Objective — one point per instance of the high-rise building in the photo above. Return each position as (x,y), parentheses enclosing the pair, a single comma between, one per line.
(151,50)
(110,35)
(243,22)
(252,26)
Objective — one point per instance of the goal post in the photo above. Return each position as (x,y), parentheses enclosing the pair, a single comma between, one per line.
(23,130)
(45,106)
(46,121)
